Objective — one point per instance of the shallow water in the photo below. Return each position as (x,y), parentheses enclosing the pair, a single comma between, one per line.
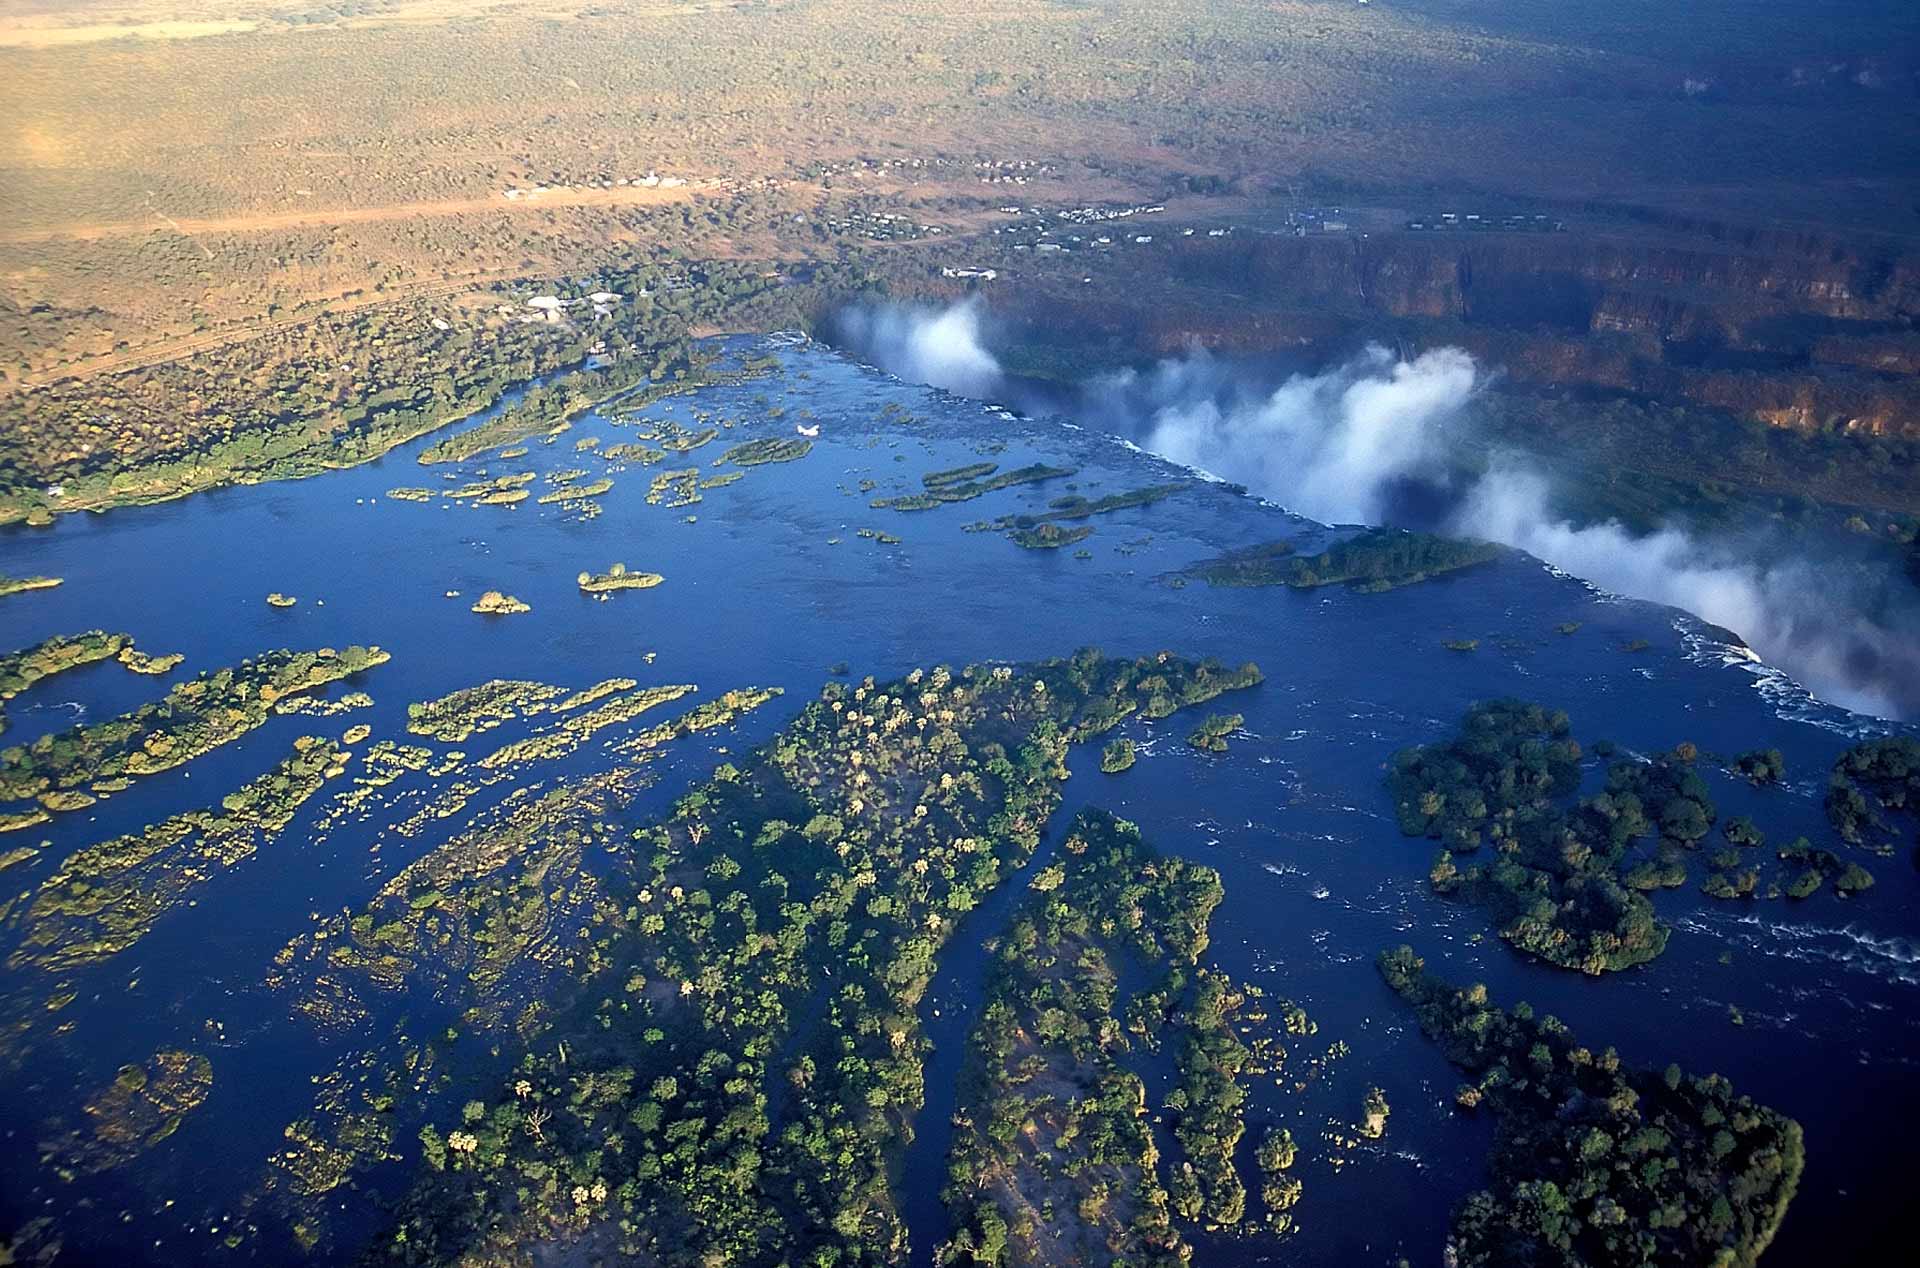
(758,593)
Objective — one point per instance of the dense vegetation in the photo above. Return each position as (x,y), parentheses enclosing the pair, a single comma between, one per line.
(1870,780)
(1559,886)
(1054,1161)
(1045,536)
(1596,1164)
(1211,735)
(1377,559)
(195,717)
(21,669)
(107,896)
(733,1073)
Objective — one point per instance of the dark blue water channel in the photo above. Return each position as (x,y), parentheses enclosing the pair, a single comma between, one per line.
(770,584)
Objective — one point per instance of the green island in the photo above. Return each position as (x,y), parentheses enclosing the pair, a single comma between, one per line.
(674,488)
(576,730)
(140,662)
(1054,1161)
(1079,508)
(107,896)
(963,484)
(1762,767)
(1594,1162)
(576,492)
(1117,756)
(1375,560)
(1044,536)
(1565,883)
(499,603)
(22,669)
(1807,868)
(1038,531)
(410,493)
(1870,780)
(958,475)
(193,718)
(499,486)
(755,453)
(459,715)
(20,585)
(645,455)
(1211,735)
(1373,1115)
(321,707)
(758,1100)
(688,441)
(618,578)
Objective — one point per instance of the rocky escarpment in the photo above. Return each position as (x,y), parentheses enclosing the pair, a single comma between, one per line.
(1791,329)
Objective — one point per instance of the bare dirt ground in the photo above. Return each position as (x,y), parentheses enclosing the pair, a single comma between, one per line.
(619,196)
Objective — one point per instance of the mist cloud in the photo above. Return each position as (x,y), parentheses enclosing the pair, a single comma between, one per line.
(1329,446)
(1361,442)
(938,347)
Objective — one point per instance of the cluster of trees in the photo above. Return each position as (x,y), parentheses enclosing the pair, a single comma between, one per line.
(733,1069)
(1376,559)
(1054,1158)
(1873,777)
(1211,735)
(1596,1164)
(1761,766)
(107,896)
(1565,882)
(195,717)
(1045,536)
(754,453)
(21,669)
(457,715)
(1070,507)
(1210,1102)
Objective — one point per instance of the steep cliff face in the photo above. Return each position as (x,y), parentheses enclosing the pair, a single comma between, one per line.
(1489,275)
(1789,329)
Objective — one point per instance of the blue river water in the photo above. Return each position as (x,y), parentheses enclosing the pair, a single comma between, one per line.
(769,583)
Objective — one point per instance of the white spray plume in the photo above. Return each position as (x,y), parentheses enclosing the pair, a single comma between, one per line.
(1334,446)
(938,347)
(1789,612)
(1329,444)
